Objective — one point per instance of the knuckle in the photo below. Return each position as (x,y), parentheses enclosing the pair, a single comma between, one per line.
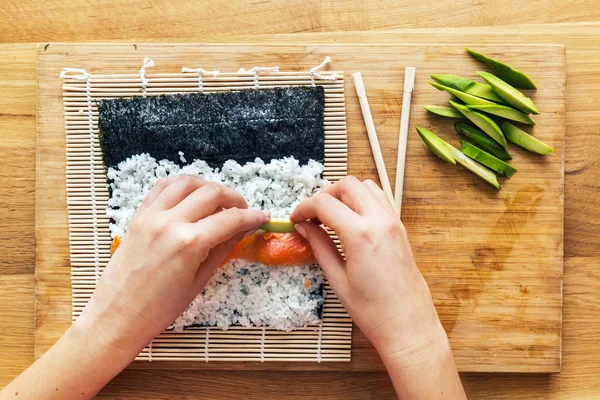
(215,187)
(189,180)
(364,232)
(392,228)
(186,240)
(236,215)
(350,179)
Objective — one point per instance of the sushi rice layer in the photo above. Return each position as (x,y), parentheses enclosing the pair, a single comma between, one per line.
(248,294)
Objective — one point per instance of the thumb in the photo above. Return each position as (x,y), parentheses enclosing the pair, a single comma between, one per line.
(326,253)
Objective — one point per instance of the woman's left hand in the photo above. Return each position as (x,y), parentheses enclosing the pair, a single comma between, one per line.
(183,230)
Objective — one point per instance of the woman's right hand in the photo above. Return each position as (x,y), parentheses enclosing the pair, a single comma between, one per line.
(379,283)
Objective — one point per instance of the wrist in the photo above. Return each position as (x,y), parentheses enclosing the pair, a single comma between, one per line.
(415,352)
(411,341)
(106,339)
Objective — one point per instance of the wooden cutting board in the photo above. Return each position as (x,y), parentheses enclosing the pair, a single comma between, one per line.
(493,259)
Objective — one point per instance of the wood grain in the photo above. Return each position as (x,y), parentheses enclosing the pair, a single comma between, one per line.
(495,273)
(17,208)
(181,21)
(581,323)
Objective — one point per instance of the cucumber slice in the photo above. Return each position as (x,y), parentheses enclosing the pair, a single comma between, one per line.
(511,95)
(436,145)
(482,140)
(504,112)
(280,225)
(482,121)
(444,111)
(525,140)
(493,163)
(467,98)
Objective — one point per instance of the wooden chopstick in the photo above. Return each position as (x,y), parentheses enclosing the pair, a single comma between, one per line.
(409,85)
(366,112)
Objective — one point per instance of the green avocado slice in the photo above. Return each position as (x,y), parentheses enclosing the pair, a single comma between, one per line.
(468,86)
(487,159)
(467,98)
(444,111)
(525,140)
(436,145)
(483,122)
(280,225)
(509,74)
(475,167)
(482,140)
(504,112)
(511,95)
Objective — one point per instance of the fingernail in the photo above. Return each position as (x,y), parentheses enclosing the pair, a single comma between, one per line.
(300,229)
(267,213)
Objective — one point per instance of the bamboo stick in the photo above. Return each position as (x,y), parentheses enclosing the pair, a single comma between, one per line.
(409,84)
(366,111)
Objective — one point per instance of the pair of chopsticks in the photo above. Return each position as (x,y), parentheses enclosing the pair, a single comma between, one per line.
(409,84)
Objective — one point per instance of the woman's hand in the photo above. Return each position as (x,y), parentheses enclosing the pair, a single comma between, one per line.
(379,283)
(183,230)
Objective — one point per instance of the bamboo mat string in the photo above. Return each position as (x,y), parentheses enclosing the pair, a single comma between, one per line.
(206,344)
(256,70)
(262,344)
(314,73)
(150,351)
(200,72)
(81,74)
(148,63)
(66,73)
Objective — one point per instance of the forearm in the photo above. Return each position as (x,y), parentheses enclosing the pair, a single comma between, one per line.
(76,367)
(425,370)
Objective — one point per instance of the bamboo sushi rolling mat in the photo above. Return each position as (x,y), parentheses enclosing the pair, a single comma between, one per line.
(87,201)
(495,271)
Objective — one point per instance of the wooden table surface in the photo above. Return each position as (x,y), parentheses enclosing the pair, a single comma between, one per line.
(298,21)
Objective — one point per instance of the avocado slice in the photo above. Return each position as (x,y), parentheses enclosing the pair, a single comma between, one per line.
(482,121)
(487,159)
(449,153)
(509,74)
(475,167)
(504,112)
(525,140)
(444,111)
(436,145)
(482,140)
(468,86)
(467,98)
(511,95)
(280,225)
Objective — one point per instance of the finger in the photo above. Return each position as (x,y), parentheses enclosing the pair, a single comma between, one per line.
(205,201)
(214,260)
(380,196)
(331,211)
(326,253)
(222,226)
(156,190)
(176,191)
(353,193)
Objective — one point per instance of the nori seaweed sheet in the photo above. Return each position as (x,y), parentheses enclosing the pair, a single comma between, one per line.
(215,127)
